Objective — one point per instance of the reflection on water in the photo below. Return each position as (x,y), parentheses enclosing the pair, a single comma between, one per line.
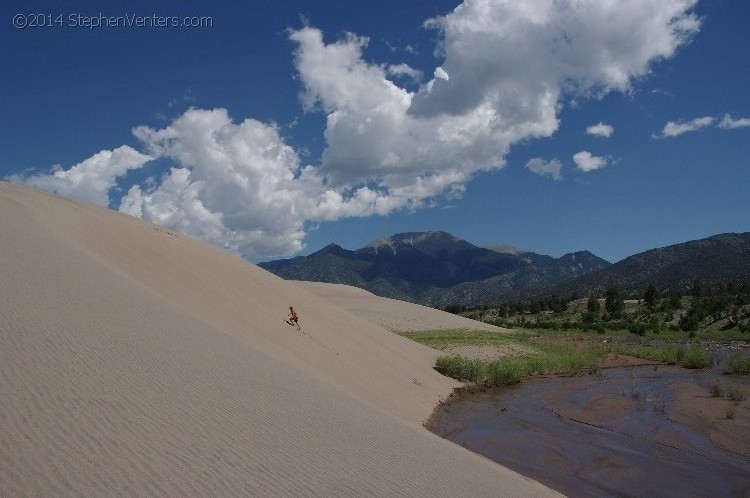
(606,434)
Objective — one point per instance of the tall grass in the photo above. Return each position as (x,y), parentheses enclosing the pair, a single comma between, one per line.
(736,363)
(732,392)
(671,354)
(461,368)
(696,357)
(500,373)
(557,360)
(493,373)
(441,339)
(542,358)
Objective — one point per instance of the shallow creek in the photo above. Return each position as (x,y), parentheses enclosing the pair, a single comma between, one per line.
(618,432)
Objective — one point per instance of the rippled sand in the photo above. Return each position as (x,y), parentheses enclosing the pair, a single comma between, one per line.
(137,361)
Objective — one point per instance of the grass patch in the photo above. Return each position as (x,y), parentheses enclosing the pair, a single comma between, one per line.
(544,357)
(735,363)
(512,369)
(461,368)
(717,389)
(671,354)
(735,393)
(500,373)
(696,357)
(442,339)
(732,392)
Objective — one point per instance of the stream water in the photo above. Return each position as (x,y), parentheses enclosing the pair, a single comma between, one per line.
(604,434)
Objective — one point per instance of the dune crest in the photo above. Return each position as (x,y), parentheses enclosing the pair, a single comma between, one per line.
(398,316)
(137,360)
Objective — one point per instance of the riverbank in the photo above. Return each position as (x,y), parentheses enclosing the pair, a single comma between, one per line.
(492,359)
(638,431)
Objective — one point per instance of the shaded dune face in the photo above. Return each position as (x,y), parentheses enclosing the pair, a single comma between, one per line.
(398,316)
(135,360)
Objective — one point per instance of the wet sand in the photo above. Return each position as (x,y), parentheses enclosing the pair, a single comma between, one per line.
(638,431)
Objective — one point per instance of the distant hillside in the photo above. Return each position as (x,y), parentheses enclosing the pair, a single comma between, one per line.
(437,268)
(721,258)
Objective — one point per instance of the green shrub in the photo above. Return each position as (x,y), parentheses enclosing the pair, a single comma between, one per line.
(460,368)
(731,392)
(731,412)
(689,323)
(736,363)
(670,353)
(680,355)
(695,357)
(637,328)
(504,372)
(590,317)
(654,325)
(735,393)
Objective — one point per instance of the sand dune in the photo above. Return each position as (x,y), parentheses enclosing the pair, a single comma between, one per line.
(134,360)
(398,316)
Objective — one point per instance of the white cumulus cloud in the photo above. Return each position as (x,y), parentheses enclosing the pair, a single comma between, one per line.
(519,58)
(541,167)
(405,70)
(508,68)
(600,130)
(586,161)
(89,180)
(236,185)
(372,140)
(676,128)
(729,123)
(240,186)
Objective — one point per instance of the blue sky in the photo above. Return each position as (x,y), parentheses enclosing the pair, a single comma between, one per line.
(285,126)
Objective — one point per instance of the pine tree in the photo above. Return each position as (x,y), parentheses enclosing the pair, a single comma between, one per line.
(614,303)
(696,290)
(649,297)
(593,305)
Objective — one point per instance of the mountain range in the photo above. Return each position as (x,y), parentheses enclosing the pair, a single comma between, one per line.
(714,260)
(439,269)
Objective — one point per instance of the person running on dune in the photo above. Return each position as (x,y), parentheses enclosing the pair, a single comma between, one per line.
(293,317)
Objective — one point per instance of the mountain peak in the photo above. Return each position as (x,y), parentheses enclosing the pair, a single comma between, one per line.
(379,244)
(506,249)
(412,238)
(431,243)
(582,262)
(330,249)
(578,255)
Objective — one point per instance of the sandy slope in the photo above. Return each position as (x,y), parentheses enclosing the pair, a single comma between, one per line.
(389,313)
(137,361)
